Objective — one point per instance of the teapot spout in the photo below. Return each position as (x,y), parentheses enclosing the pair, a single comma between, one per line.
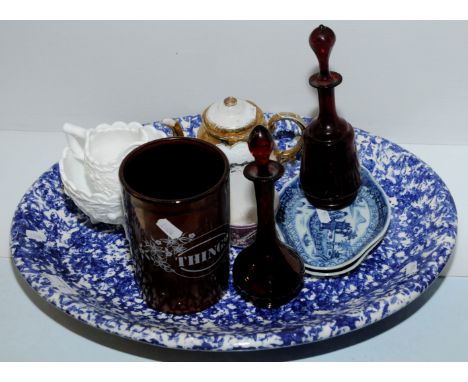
(175,126)
(76,138)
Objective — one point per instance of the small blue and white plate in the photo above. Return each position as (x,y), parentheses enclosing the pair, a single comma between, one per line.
(333,241)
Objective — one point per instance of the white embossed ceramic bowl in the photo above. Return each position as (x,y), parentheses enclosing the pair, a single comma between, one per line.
(89,166)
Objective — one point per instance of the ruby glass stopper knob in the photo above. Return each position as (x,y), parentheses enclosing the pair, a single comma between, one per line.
(261,145)
(321,40)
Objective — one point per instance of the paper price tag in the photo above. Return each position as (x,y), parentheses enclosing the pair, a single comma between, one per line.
(323,216)
(169,229)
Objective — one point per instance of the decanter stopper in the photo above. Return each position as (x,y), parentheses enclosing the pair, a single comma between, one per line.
(261,145)
(321,41)
(330,176)
(268,273)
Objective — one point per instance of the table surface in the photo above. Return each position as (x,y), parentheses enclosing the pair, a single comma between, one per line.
(433,328)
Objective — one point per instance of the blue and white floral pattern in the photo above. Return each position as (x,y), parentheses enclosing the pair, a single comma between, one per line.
(328,240)
(86,270)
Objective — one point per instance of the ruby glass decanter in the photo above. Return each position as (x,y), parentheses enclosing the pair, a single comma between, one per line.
(267,273)
(329,174)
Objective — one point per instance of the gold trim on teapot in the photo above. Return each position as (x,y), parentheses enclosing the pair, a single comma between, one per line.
(231,121)
(223,130)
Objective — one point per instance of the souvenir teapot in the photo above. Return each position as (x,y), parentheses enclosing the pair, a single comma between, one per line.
(227,124)
(231,121)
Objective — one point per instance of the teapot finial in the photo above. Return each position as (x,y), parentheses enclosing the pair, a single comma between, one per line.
(230,101)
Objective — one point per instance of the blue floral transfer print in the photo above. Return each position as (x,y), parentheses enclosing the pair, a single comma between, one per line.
(328,240)
(86,270)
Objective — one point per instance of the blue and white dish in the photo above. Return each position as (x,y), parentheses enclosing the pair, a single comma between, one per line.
(343,270)
(332,240)
(86,271)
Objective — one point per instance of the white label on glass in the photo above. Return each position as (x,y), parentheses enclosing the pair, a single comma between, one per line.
(169,229)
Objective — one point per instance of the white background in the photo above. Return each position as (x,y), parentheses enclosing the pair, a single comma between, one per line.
(403,80)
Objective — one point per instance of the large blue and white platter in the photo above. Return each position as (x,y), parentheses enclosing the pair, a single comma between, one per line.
(86,271)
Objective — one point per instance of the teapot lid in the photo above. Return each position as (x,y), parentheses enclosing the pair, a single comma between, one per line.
(231,114)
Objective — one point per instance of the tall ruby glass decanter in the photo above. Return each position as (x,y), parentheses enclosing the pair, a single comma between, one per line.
(267,273)
(329,175)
